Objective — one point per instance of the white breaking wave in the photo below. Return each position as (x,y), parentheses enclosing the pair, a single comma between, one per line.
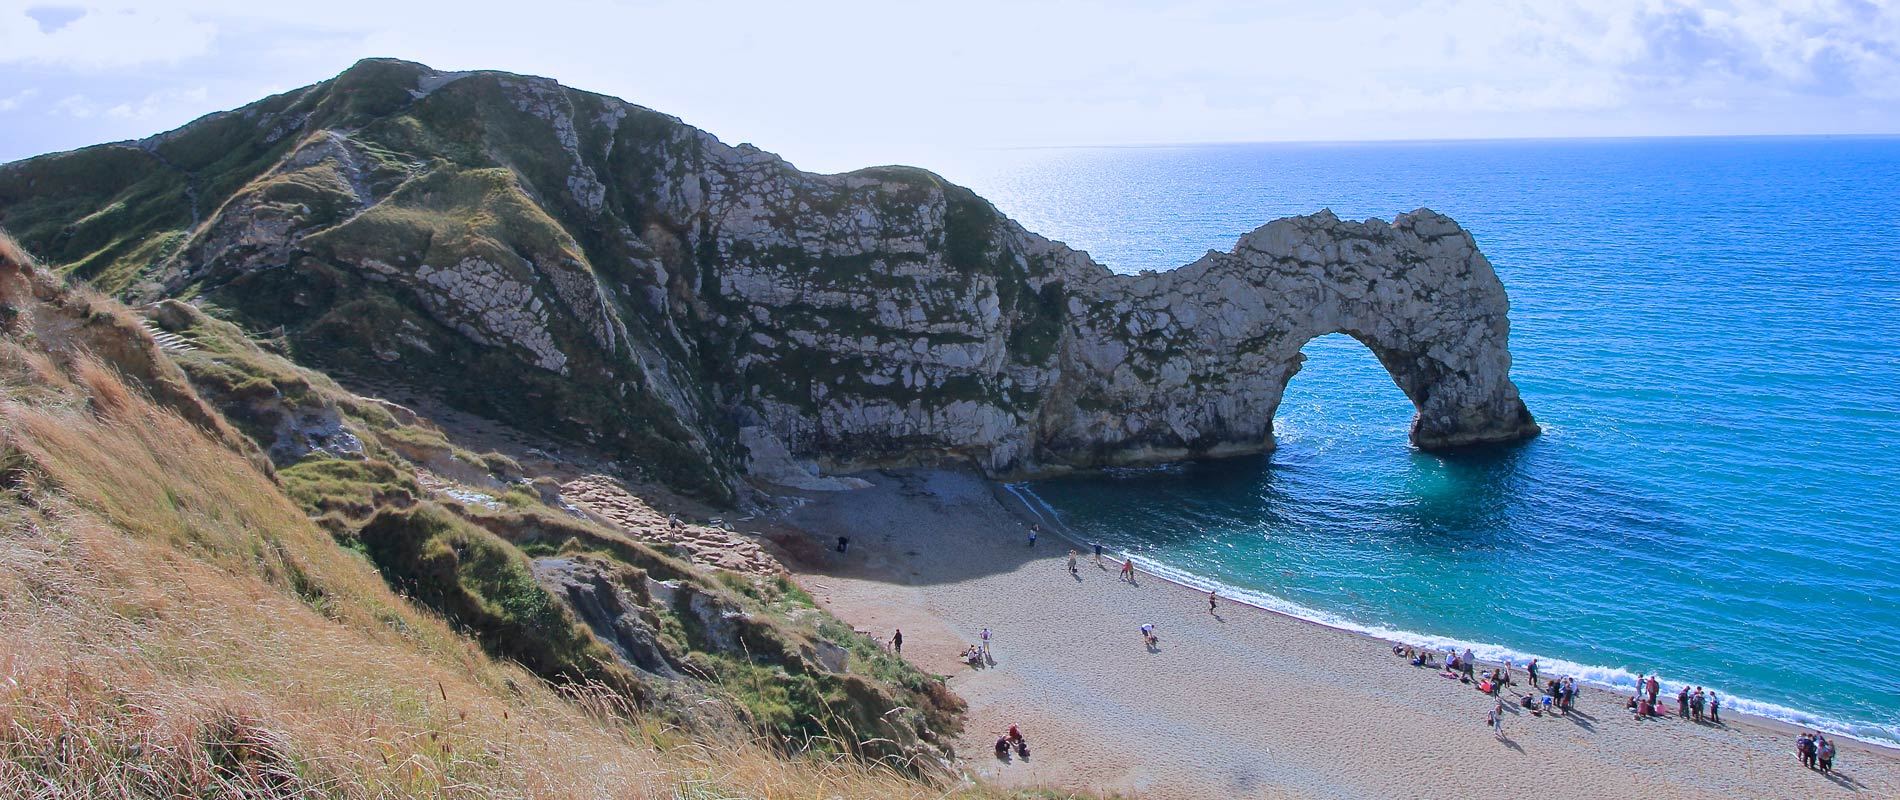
(1616,678)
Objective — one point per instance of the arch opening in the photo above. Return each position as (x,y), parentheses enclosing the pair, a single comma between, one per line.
(1340,388)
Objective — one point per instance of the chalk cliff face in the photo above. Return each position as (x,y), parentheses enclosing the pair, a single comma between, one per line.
(591,269)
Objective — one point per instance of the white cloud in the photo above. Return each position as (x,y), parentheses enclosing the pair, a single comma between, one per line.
(104,37)
(160,103)
(17,99)
(76,106)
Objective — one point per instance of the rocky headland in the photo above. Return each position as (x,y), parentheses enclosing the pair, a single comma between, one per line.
(595,271)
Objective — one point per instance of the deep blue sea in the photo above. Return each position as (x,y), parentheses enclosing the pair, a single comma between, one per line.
(1709,331)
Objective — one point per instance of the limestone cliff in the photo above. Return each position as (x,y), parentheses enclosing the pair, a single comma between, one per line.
(592,269)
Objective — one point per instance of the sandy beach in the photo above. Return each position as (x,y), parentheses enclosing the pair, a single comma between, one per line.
(1243,703)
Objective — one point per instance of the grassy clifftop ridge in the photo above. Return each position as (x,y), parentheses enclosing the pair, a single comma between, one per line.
(646,289)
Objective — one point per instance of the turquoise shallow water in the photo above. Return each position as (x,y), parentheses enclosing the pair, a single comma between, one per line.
(1709,331)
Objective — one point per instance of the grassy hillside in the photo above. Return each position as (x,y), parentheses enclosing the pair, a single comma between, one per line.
(173,623)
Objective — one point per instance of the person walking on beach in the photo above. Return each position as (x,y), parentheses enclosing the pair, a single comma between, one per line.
(1033,530)
(1496,720)
(897,642)
(1128,570)
(1072,570)
(985,636)
(1098,554)
(1211,598)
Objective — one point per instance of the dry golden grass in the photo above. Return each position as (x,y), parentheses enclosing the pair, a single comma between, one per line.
(172,626)
(11,255)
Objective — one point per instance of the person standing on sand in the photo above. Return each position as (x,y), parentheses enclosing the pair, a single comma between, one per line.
(1496,720)
(1533,671)
(1098,554)
(1033,530)
(1682,703)
(1715,708)
(897,642)
(985,636)
(1211,598)
(1072,570)
(1655,687)
(1128,570)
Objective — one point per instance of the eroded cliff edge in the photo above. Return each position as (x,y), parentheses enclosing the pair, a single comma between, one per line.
(591,269)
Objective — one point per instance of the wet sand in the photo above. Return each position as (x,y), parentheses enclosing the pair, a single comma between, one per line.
(1243,703)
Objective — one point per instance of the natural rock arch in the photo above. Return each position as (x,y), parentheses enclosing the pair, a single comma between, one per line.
(1195,361)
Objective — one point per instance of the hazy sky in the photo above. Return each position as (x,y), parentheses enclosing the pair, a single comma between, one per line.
(839,85)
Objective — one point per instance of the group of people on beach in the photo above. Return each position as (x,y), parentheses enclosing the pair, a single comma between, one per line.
(1815,751)
(1558,694)
(1013,739)
(1692,703)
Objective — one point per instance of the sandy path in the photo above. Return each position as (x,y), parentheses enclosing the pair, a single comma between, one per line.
(1246,704)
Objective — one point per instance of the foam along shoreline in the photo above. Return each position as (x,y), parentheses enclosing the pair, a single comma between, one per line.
(1236,704)
(1026,503)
